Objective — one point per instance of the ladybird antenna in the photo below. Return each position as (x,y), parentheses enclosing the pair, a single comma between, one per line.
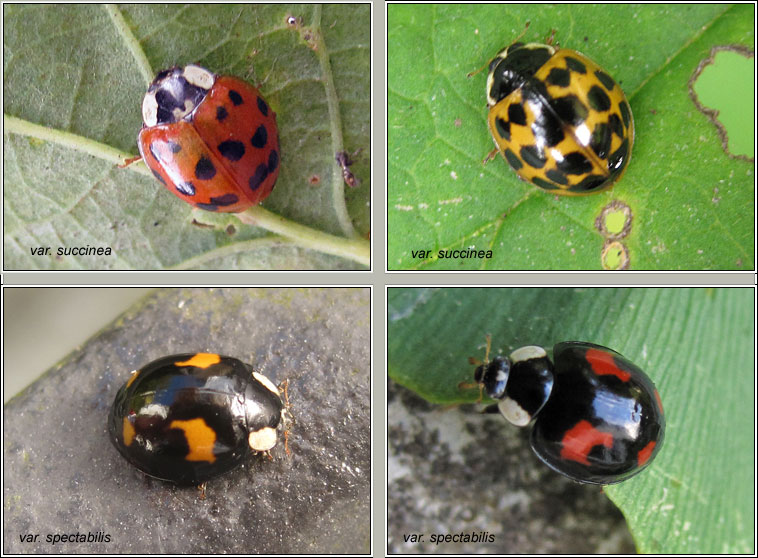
(482,67)
(526,26)
(487,351)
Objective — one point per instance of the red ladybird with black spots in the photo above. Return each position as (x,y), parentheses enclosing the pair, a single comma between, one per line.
(211,140)
(596,417)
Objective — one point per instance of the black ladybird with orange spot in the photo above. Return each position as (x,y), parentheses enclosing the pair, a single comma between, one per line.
(190,417)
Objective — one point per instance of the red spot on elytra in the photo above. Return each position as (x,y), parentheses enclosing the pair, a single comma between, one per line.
(658,399)
(644,454)
(603,364)
(579,441)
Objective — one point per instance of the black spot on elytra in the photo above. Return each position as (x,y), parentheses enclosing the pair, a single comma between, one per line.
(626,113)
(557,176)
(575,163)
(273,160)
(155,148)
(232,150)
(260,174)
(226,199)
(533,156)
(204,169)
(206,206)
(513,160)
(614,122)
(548,128)
(544,184)
(600,142)
(598,99)
(516,114)
(618,159)
(575,65)
(260,138)
(592,182)
(559,76)
(262,106)
(186,188)
(570,110)
(221,114)
(235,98)
(605,79)
(503,128)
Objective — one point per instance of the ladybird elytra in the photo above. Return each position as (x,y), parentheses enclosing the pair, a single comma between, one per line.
(558,119)
(190,417)
(210,140)
(595,416)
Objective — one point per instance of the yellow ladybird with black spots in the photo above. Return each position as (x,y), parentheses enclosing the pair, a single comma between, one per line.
(558,118)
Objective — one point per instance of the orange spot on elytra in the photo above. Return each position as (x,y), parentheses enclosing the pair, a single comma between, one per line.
(603,364)
(658,399)
(644,454)
(579,441)
(128,432)
(200,439)
(201,360)
(133,377)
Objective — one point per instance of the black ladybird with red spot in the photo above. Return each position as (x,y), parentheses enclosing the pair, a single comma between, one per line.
(211,140)
(597,418)
(190,417)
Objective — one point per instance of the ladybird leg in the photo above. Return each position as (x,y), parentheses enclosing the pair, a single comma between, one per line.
(472,385)
(490,409)
(129,161)
(286,442)
(201,488)
(283,386)
(491,155)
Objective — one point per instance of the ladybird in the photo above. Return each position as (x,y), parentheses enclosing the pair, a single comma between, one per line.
(558,118)
(596,417)
(211,140)
(190,417)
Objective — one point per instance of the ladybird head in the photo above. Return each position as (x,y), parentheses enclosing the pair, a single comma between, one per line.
(493,376)
(175,93)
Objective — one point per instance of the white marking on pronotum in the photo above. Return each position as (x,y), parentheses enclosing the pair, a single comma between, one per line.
(263,439)
(199,77)
(266,382)
(527,353)
(513,412)
(150,110)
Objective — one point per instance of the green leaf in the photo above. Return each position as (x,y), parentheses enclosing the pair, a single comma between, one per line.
(74,78)
(695,344)
(692,204)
